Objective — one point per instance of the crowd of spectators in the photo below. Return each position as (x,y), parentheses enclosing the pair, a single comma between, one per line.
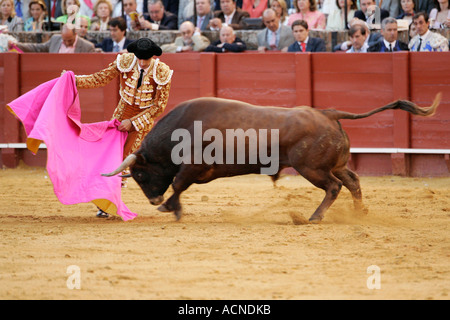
(284,24)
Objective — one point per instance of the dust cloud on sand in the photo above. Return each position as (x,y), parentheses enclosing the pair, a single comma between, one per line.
(239,238)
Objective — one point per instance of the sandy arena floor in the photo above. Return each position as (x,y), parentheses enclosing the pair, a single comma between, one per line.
(236,240)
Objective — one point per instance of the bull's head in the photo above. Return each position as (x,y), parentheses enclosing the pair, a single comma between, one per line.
(151,177)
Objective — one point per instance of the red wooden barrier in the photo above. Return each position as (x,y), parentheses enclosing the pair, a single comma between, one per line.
(352,82)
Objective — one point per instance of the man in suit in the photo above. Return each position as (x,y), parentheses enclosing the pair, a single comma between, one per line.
(189,41)
(22,9)
(67,42)
(229,15)
(371,38)
(118,41)
(55,7)
(369,11)
(158,19)
(204,15)
(228,42)
(304,43)
(358,36)
(274,37)
(389,42)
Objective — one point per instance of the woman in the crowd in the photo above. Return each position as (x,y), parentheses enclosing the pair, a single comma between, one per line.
(280,7)
(440,15)
(103,11)
(336,19)
(408,7)
(307,11)
(8,16)
(254,7)
(38,12)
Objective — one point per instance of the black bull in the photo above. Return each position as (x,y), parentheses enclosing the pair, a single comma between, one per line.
(309,140)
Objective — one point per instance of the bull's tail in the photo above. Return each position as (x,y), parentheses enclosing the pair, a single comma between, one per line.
(399,104)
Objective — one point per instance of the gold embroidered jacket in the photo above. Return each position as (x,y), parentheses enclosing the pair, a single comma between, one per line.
(141,105)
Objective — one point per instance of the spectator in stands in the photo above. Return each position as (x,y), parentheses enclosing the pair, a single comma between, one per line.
(392,6)
(171,6)
(303,42)
(424,5)
(69,8)
(336,19)
(440,15)
(280,8)
(55,8)
(117,42)
(158,18)
(204,15)
(274,37)
(38,11)
(371,38)
(358,35)
(229,15)
(8,16)
(425,40)
(66,42)
(389,42)
(307,10)
(327,6)
(22,8)
(228,42)
(103,12)
(368,12)
(412,31)
(408,8)
(254,7)
(83,28)
(190,40)
(130,12)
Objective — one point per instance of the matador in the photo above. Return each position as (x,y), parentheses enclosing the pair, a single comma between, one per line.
(144,90)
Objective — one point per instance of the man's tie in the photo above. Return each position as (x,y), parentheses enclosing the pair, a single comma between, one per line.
(116,48)
(200,22)
(303,47)
(54,8)
(19,9)
(420,44)
(390,47)
(273,40)
(140,78)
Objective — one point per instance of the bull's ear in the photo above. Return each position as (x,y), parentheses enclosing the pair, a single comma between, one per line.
(140,158)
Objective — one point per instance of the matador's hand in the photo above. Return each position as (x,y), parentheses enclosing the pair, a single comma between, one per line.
(125,125)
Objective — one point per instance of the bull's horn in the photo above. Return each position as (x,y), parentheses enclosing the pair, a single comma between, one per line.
(130,160)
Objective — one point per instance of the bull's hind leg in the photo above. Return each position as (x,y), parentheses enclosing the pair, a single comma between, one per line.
(351,181)
(326,181)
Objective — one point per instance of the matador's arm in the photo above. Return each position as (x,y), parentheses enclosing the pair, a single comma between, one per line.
(98,79)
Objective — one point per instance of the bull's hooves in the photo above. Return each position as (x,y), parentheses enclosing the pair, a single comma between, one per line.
(178,215)
(163,208)
(315,220)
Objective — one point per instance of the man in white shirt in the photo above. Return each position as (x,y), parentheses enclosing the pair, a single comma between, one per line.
(358,35)
(425,40)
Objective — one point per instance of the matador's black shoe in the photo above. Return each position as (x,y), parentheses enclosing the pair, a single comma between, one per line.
(102,214)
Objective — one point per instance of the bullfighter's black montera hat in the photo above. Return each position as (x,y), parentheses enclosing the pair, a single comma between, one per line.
(144,48)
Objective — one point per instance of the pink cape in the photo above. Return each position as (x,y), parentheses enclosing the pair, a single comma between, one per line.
(77,153)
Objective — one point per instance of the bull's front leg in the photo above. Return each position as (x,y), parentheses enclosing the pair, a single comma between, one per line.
(184,178)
